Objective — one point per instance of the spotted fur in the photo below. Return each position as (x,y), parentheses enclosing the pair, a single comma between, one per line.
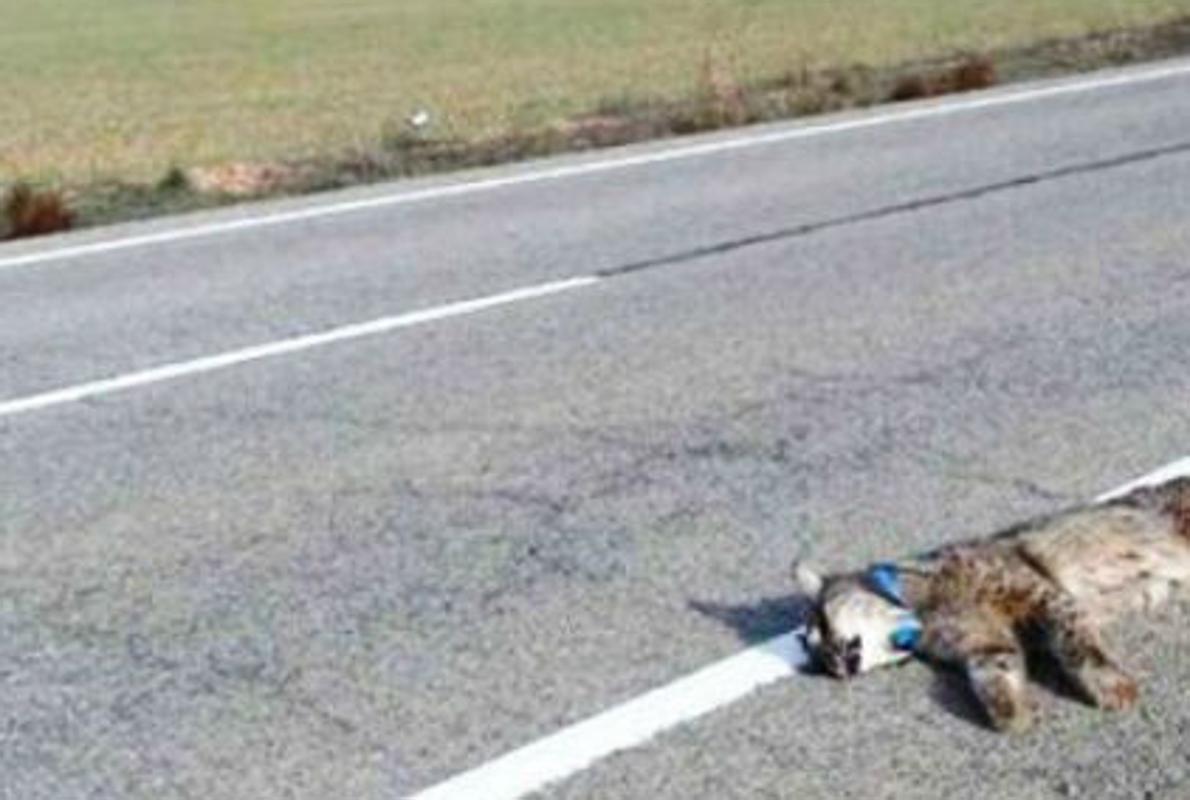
(1052,583)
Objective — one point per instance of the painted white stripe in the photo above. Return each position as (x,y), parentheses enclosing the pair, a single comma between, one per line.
(636,721)
(1167,473)
(633,723)
(169,372)
(938,108)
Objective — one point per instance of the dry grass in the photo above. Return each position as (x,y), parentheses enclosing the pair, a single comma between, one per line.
(968,74)
(34,212)
(975,72)
(123,89)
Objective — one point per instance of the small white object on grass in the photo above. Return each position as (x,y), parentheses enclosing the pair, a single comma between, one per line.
(418,119)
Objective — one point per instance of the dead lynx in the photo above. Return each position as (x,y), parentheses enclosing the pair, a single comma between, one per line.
(1051,583)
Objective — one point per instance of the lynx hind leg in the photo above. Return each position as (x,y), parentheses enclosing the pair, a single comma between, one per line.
(1076,644)
(985,647)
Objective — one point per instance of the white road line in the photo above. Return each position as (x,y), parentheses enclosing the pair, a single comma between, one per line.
(946,107)
(636,721)
(1170,471)
(633,723)
(169,372)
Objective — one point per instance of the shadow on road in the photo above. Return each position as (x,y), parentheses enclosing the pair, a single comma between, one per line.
(755,622)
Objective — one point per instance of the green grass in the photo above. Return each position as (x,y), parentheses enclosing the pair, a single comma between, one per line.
(122,89)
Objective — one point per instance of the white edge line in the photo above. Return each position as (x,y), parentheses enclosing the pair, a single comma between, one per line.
(636,721)
(1175,469)
(941,108)
(167,372)
(632,723)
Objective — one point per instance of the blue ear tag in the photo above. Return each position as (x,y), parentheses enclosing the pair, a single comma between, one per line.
(907,635)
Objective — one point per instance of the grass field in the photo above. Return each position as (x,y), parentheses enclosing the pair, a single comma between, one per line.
(125,88)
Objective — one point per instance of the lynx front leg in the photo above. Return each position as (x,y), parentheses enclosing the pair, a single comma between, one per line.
(1075,643)
(986,649)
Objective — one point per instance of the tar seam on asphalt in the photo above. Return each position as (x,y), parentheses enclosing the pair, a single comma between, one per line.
(908,207)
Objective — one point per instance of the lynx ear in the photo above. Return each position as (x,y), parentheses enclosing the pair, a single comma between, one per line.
(807,578)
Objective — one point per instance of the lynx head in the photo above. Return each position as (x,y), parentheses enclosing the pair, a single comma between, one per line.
(854,627)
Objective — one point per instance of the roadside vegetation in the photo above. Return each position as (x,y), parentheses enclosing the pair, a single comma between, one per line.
(127,108)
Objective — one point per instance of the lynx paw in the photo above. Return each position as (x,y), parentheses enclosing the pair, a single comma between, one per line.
(1010,710)
(1000,687)
(1111,689)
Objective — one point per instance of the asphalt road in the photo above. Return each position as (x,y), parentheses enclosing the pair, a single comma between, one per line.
(355,571)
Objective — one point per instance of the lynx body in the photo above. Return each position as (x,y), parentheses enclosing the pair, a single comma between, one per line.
(1050,584)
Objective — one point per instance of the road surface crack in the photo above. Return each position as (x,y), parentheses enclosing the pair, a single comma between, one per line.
(897,209)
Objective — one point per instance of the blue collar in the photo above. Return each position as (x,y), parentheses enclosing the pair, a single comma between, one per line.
(885,580)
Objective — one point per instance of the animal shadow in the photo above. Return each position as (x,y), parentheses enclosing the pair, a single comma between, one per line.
(758,622)
(951,691)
